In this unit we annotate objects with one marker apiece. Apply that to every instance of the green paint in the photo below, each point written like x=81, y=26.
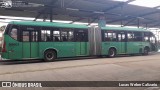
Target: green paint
x=26, y=49
x=13, y=48
x=65, y=49
x=34, y=49
x=49, y=24
x=81, y=49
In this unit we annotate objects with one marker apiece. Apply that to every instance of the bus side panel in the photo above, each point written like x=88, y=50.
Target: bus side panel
x=34, y=49
x=130, y=47
x=107, y=45
x=134, y=47
x=78, y=48
x=64, y=49
x=82, y=48
x=26, y=50
x=85, y=48
x=120, y=46
x=13, y=47
x=144, y=44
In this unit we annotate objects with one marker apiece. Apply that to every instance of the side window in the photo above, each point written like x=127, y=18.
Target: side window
x=56, y=35
x=146, y=36
x=64, y=36
x=29, y=33
x=71, y=36
x=25, y=36
x=34, y=36
x=33, y=31
x=67, y=35
x=130, y=36
x=110, y=36
x=46, y=34
x=121, y=35
x=13, y=32
x=137, y=36
x=152, y=38
x=81, y=35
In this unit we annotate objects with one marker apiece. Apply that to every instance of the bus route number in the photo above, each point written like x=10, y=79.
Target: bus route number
x=13, y=44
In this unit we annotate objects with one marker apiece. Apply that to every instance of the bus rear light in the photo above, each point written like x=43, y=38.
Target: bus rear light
x=4, y=47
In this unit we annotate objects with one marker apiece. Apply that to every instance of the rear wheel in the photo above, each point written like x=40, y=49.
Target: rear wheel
x=112, y=53
x=49, y=56
x=146, y=51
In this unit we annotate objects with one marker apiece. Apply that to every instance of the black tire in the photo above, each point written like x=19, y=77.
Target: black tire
x=146, y=51
x=112, y=53
x=49, y=56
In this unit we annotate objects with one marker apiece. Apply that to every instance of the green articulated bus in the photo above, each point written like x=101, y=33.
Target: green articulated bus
x=48, y=41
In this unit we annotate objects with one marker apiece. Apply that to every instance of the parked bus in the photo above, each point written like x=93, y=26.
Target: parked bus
x=48, y=41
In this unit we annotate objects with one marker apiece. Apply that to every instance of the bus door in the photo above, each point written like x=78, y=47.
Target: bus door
x=122, y=42
x=30, y=44
x=14, y=46
x=81, y=42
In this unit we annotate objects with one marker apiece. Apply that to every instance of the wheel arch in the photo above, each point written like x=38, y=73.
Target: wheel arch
x=112, y=47
x=54, y=49
x=147, y=47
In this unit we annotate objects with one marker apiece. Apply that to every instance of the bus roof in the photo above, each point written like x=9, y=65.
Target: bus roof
x=125, y=29
x=48, y=24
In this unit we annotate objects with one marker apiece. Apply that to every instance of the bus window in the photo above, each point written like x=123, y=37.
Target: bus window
x=34, y=36
x=56, y=35
x=67, y=35
x=110, y=36
x=25, y=36
x=130, y=36
x=45, y=35
x=137, y=36
x=64, y=36
x=70, y=36
x=146, y=36
x=121, y=35
x=152, y=38
x=81, y=35
x=13, y=32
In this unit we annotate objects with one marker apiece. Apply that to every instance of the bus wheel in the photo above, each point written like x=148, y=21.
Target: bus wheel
x=49, y=56
x=146, y=51
x=112, y=53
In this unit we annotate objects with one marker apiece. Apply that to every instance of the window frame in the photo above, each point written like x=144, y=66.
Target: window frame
x=9, y=29
x=120, y=32
x=140, y=37
x=86, y=35
x=45, y=29
x=67, y=30
x=107, y=32
x=132, y=39
x=24, y=28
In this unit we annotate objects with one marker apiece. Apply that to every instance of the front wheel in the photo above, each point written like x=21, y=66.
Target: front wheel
x=112, y=53
x=146, y=51
x=49, y=56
